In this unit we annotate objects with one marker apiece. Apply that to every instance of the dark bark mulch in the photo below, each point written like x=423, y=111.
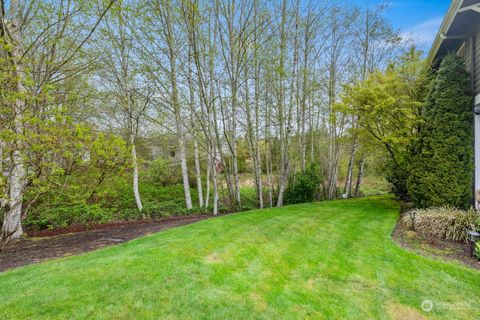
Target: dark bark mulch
x=78, y=239
x=431, y=247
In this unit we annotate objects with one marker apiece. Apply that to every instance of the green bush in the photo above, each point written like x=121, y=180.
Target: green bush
x=249, y=198
x=64, y=216
x=162, y=172
x=441, y=171
x=444, y=223
x=303, y=187
x=115, y=201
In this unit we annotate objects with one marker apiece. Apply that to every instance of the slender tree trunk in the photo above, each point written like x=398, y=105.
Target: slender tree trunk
x=211, y=134
x=136, y=192
x=238, y=199
x=361, y=166
x=198, y=172
x=207, y=188
x=268, y=155
x=183, y=162
x=252, y=141
x=215, y=183
x=212, y=107
x=281, y=112
x=238, y=202
x=196, y=157
x=305, y=93
x=347, y=190
x=227, y=168
x=313, y=129
x=176, y=107
x=258, y=159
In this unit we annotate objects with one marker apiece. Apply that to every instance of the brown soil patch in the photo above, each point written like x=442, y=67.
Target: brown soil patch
x=212, y=258
x=431, y=247
x=62, y=242
x=401, y=312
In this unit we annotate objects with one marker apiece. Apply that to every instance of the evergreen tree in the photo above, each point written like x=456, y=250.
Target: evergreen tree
x=442, y=168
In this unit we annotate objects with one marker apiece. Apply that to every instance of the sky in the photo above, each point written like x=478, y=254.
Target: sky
x=417, y=19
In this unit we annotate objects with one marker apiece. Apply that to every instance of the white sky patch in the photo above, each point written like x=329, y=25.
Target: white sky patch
x=423, y=34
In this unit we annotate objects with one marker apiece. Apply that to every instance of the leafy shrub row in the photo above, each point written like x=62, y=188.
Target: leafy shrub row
x=444, y=223
x=117, y=203
x=64, y=216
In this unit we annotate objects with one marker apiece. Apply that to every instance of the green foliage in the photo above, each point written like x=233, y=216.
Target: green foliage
x=444, y=223
x=70, y=162
x=303, y=187
x=441, y=169
x=249, y=198
x=64, y=216
x=114, y=201
x=163, y=172
x=387, y=106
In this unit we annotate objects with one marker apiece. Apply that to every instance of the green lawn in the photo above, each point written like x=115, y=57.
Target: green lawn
x=329, y=260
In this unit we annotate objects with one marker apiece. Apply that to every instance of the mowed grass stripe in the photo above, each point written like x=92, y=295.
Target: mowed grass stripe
x=328, y=260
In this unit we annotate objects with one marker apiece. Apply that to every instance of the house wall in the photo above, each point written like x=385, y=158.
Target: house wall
x=472, y=59
x=476, y=62
x=467, y=54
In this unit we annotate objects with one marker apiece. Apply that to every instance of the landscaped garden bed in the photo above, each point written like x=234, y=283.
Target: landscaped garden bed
x=431, y=246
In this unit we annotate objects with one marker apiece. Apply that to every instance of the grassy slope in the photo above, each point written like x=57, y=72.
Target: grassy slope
x=329, y=260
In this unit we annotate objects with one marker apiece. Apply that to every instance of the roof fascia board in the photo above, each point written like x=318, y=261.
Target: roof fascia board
x=444, y=27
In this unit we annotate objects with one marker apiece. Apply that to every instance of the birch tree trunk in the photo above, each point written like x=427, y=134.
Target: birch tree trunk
x=136, y=192
x=361, y=166
x=207, y=182
x=234, y=70
x=253, y=145
x=268, y=154
x=213, y=152
x=198, y=172
x=281, y=111
x=176, y=106
x=207, y=100
x=347, y=190
x=305, y=93
x=12, y=224
x=256, y=130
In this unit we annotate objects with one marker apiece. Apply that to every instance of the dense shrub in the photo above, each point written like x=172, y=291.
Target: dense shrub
x=163, y=172
x=116, y=202
x=444, y=222
x=303, y=187
x=64, y=216
x=441, y=171
x=397, y=175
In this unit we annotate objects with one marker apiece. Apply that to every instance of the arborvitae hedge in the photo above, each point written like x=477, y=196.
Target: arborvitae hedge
x=442, y=170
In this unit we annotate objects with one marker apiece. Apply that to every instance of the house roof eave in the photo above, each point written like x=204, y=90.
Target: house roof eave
x=444, y=27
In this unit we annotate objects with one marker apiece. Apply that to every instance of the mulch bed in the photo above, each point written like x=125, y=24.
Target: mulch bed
x=431, y=247
x=49, y=244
